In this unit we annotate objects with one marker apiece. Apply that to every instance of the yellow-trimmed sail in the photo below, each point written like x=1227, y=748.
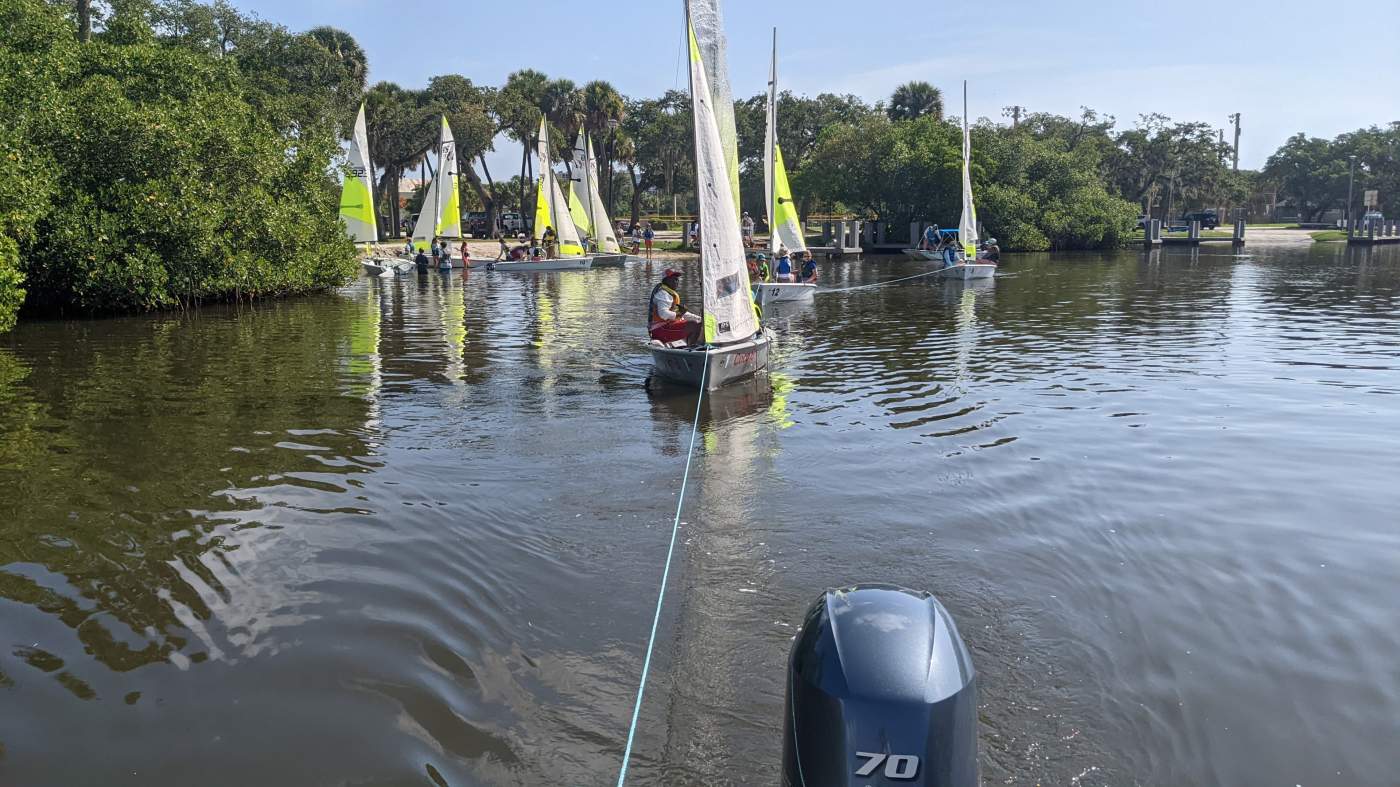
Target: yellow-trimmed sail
x=578, y=212
x=542, y=217
x=357, y=193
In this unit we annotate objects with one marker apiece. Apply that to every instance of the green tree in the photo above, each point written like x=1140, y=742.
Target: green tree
x=1311, y=173
x=154, y=177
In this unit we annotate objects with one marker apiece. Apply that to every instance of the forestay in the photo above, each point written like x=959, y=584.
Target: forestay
x=729, y=312
x=783, y=220
x=357, y=192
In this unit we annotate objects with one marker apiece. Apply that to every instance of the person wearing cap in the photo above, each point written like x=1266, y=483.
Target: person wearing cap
x=667, y=319
x=783, y=269
x=991, y=252
x=747, y=224
x=764, y=272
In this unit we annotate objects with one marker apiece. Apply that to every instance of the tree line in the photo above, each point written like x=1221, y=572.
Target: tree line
x=157, y=153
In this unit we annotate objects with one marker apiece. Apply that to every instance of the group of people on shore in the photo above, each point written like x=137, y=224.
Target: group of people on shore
x=441, y=255
x=641, y=233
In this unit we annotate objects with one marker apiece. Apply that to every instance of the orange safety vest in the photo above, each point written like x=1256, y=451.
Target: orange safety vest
x=653, y=318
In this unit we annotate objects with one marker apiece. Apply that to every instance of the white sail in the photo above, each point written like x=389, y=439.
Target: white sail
x=586, y=181
x=357, y=192
x=967, y=223
x=785, y=226
x=707, y=25
x=564, y=230
x=729, y=312
x=441, y=214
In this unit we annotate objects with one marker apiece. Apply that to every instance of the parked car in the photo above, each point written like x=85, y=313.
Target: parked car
x=1142, y=222
x=512, y=223
x=477, y=224
x=1373, y=215
x=1207, y=218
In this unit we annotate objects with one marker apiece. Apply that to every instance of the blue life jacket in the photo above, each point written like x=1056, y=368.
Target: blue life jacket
x=784, y=266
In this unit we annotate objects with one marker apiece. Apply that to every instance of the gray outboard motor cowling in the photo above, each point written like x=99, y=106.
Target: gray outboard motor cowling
x=881, y=692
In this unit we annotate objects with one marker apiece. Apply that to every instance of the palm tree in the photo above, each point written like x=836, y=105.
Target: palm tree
x=914, y=100
x=517, y=109
x=603, y=109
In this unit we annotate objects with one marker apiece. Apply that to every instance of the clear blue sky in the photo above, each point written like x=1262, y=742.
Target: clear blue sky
x=1286, y=66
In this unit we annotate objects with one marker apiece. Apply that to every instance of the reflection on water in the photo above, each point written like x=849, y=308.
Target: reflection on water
x=412, y=531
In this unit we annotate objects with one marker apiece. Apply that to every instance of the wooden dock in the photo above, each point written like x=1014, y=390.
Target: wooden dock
x=1372, y=233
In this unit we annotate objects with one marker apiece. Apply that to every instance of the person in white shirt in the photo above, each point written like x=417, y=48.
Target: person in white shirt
x=748, y=230
x=667, y=319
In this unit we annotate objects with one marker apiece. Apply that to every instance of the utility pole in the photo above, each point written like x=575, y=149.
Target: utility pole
x=1351, y=180
x=1235, y=118
x=1013, y=112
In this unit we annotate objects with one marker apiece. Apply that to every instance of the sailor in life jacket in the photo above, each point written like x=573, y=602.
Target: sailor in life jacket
x=667, y=319
x=783, y=270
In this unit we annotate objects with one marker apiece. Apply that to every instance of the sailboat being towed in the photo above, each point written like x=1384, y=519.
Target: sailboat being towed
x=965, y=264
x=734, y=346
x=783, y=221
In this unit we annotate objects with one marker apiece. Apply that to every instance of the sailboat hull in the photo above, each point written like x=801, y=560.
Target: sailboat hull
x=783, y=292
x=609, y=260
x=532, y=266
x=964, y=271
x=717, y=366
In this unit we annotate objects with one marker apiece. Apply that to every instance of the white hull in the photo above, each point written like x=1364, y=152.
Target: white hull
x=562, y=264
x=725, y=364
x=783, y=292
x=964, y=271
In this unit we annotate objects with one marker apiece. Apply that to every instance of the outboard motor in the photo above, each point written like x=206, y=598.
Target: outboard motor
x=881, y=691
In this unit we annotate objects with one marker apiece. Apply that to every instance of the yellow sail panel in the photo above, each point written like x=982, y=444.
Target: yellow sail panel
x=542, y=217
x=787, y=224
x=357, y=195
x=578, y=212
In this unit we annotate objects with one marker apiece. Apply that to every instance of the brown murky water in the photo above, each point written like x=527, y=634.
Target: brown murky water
x=412, y=532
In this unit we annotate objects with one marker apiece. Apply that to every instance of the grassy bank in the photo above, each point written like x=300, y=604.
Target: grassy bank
x=1328, y=236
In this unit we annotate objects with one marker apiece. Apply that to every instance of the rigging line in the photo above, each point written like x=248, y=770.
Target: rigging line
x=882, y=283
x=665, y=575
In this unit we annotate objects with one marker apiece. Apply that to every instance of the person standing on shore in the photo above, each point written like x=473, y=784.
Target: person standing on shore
x=635, y=234
x=747, y=224
x=649, y=236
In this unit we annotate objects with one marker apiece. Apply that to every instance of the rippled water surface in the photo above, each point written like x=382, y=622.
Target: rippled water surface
x=412, y=532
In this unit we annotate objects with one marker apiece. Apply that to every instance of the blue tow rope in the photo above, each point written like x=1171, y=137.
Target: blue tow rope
x=665, y=576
